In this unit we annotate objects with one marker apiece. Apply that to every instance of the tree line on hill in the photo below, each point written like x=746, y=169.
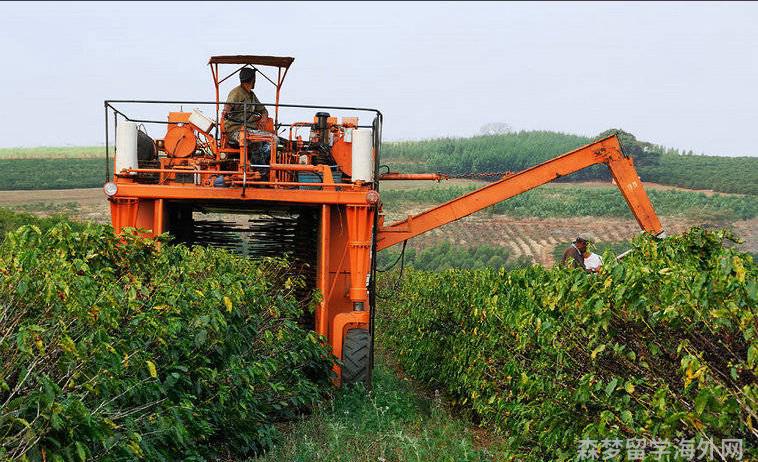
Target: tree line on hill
x=516, y=151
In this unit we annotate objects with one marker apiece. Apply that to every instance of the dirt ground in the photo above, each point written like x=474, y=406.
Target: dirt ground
x=532, y=237
x=81, y=204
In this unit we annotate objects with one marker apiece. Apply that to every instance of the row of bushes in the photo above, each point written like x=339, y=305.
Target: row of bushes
x=446, y=255
x=731, y=174
x=25, y=174
x=118, y=348
x=663, y=344
x=511, y=151
x=11, y=221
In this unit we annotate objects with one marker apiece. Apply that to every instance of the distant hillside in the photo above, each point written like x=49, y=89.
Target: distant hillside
x=71, y=167
x=519, y=150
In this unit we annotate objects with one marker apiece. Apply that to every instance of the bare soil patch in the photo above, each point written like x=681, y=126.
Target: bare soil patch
x=80, y=204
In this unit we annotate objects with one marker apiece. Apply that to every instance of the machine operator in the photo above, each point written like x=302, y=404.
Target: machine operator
x=235, y=113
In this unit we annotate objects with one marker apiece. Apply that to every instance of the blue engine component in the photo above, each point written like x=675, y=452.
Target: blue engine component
x=312, y=177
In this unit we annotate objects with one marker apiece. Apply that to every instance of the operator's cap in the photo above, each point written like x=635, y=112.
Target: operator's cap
x=247, y=74
x=582, y=238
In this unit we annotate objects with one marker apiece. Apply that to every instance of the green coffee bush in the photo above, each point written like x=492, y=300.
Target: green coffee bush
x=121, y=348
x=660, y=345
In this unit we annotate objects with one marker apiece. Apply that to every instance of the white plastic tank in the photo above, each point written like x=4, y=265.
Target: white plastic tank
x=363, y=155
x=199, y=120
x=126, y=145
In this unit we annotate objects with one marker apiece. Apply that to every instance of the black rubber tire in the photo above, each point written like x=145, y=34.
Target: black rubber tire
x=356, y=357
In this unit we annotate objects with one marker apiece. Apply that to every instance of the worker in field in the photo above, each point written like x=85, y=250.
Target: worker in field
x=592, y=261
x=574, y=256
x=234, y=115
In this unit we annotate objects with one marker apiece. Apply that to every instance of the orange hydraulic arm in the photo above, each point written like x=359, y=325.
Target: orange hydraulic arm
x=606, y=151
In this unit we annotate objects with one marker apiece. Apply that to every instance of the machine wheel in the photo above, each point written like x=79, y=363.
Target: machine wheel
x=356, y=357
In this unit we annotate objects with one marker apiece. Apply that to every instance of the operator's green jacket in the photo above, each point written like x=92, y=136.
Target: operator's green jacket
x=234, y=113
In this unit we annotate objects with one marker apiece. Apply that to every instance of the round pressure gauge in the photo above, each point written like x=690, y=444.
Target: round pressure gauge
x=110, y=189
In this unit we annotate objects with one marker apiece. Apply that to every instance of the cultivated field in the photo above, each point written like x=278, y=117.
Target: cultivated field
x=537, y=238
x=530, y=309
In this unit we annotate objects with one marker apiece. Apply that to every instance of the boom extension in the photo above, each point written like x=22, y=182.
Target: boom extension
x=607, y=151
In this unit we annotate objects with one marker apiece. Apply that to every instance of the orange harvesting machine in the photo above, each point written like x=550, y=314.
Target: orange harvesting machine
x=315, y=199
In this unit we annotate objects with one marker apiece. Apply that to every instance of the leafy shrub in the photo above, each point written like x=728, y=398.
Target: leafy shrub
x=446, y=255
x=11, y=221
x=660, y=345
x=120, y=348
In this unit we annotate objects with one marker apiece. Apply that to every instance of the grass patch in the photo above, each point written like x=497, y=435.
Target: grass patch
x=27, y=174
x=393, y=422
x=53, y=152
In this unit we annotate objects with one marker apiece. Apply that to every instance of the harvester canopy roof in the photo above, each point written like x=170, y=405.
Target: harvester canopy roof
x=276, y=61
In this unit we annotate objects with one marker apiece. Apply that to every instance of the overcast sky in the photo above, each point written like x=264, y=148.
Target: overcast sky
x=680, y=74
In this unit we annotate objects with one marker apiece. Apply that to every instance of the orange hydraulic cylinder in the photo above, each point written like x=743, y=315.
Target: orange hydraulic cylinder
x=323, y=281
x=360, y=221
x=158, y=217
